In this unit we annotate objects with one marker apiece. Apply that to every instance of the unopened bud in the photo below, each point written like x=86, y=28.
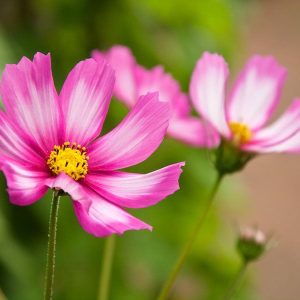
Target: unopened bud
x=251, y=243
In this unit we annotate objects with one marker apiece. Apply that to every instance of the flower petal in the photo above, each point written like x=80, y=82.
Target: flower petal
x=134, y=139
x=193, y=131
x=290, y=145
x=280, y=135
x=30, y=100
x=136, y=190
x=133, y=80
x=256, y=92
x=68, y=185
x=25, y=186
x=157, y=80
x=123, y=62
x=96, y=215
x=16, y=145
x=102, y=218
x=85, y=99
x=207, y=90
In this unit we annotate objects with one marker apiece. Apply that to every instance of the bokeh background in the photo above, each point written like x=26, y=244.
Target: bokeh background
x=173, y=33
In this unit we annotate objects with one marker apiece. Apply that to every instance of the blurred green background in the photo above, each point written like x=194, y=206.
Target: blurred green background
x=173, y=33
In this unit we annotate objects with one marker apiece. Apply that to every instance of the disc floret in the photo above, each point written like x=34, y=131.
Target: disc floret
x=241, y=133
x=70, y=158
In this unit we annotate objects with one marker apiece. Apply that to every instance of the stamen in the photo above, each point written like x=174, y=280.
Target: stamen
x=69, y=158
x=241, y=133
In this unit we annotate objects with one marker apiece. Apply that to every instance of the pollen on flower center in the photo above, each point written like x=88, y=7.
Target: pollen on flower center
x=70, y=159
x=240, y=132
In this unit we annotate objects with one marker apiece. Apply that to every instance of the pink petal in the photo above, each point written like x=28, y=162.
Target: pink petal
x=68, y=185
x=123, y=62
x=281, y=135
x=256, y=92
x=16, y=145
x=25, y=185
x=157, y=80
x=134, y=139
x=102, y=218
x=207, y=90
x=85, y=98
x=96, y=215
x=290, y=145
x=193, y=131
x=30, y=100
x=136, y=190
x=181, y=106
x=133, y=80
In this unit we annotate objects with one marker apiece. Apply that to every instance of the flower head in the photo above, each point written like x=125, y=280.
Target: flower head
x=51, y=141
x=241, y=117
x=133, y=80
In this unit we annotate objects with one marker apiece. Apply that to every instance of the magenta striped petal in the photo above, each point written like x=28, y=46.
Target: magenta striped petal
x=136, y=190
x=207, y=90
x=96, y=215
x=25, y=185
x=102, y=218
x=17, y=146
x=85, y=99
x=30, y=100
x=134, y=139
x=256, y=92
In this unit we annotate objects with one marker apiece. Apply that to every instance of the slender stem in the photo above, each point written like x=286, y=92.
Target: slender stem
x=2, y=296
x=187, y=247
x=236, y=282
x=108, y=255
x=50, y=267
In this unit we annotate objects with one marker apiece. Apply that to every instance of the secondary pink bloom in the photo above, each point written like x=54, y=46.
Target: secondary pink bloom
x=242, y=116
x=133, y=80
x=50, y=140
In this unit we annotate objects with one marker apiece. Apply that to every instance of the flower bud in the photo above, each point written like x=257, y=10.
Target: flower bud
x=251, y=243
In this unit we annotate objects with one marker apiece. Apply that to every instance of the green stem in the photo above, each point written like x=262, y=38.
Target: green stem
x=2, y=297
x=187, y=247
x=50, y=267
x=108, y=255
x=236, y=282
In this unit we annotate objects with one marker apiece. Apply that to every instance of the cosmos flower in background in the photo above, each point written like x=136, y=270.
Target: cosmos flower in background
x=50, y=141
x=133, y=80
x=242, y=116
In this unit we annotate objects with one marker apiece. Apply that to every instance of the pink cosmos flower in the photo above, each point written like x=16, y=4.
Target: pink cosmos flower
x=241, y=116
x=50, y=141
x=133, y=80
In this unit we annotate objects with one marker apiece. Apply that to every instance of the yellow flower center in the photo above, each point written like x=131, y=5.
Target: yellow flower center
x=70, y=159
x=241, y=133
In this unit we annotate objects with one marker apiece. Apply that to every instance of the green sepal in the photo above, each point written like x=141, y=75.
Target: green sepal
x=249, y=249
x=229, y=158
